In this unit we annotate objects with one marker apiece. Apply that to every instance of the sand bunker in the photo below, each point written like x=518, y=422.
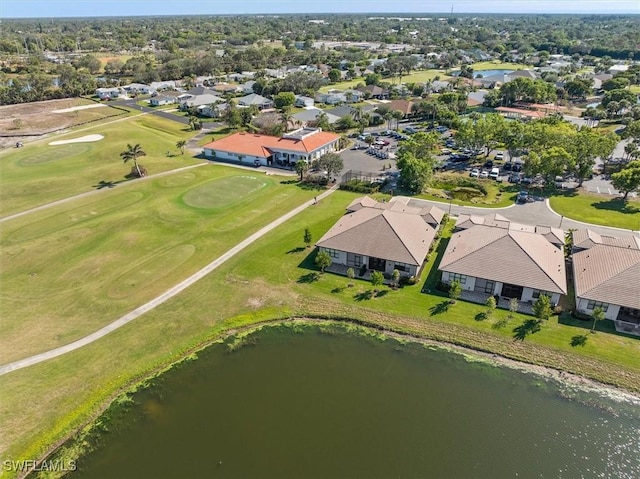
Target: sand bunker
x=76, y=108
x=82, y=139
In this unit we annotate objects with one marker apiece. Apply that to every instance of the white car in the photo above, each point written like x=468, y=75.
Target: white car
x=499, y=156
x=484, y=174
x=495, y=173
x=475, y=173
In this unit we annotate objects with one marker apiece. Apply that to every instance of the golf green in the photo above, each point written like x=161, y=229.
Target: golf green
x=224, y=191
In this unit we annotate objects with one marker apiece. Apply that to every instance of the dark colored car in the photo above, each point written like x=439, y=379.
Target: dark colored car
x=522, y=197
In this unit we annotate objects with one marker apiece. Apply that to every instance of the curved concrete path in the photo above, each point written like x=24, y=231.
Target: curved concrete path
x=93, y=192
x=170, y=293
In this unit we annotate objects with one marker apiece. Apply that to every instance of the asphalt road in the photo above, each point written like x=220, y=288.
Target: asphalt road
x=537, y=213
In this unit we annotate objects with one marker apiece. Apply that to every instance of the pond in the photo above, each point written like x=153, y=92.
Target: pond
x=326, y=403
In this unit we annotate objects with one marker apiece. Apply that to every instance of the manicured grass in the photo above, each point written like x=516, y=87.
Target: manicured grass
x=69, y=270
x=40, y=173
x=272, y=279
x=498, y=65
x=635, y=89
x=414, y=77
x=598, y=209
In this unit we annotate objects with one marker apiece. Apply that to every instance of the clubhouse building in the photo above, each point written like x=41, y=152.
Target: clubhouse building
x=306, y=144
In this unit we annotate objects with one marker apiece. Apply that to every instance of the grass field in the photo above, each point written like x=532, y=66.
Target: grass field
x=40, y=173
x=414, y=77
x=498, y=65
x=598, y=209
x=271, y=279
x=70, y=270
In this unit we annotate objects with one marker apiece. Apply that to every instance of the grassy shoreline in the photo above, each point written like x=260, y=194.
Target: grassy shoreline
x=68, y=448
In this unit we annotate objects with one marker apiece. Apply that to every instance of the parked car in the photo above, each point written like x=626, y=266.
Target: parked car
x=499, y=156
x=442, y=129
x=488, y=164
x=475, y=173
x=495, y=173
x=523, y=197
x=446, y=151
x=484, y=174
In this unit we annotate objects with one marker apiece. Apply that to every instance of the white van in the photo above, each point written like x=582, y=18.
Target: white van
x=495, y=172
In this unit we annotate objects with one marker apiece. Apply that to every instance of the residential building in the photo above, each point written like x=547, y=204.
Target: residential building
x=165, y=98
x=306, y=144
x=494, y=256
x=382, y=237
x=304, y=101
x=110, y=93
x=255, y=100
x=606, y=273
x=311, y=116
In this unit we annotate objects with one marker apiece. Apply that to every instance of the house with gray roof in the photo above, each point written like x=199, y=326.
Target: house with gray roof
x=255, y=100
x=384, y=237
x=311, y=116
x=606, y=273
x=494, y=256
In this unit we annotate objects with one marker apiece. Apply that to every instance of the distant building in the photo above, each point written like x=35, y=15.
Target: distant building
x=305, y=144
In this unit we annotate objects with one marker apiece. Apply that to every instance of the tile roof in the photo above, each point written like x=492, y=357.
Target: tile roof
x=506, y=255
x=431, y=214
x=610, y=274
x=390, y=235
x=263, y=145
x=553, y=235
x=586, y=238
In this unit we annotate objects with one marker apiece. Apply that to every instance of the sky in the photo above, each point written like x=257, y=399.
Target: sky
x=97, y=8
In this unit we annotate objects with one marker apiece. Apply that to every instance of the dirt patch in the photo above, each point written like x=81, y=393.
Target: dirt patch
x=24, y=122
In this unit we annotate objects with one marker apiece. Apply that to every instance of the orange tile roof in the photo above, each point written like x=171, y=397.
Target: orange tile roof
x=262, y=145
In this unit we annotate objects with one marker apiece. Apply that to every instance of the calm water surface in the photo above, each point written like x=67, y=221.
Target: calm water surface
x=339, y=405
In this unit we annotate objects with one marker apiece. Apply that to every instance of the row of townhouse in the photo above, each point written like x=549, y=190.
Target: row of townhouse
x=491, y=256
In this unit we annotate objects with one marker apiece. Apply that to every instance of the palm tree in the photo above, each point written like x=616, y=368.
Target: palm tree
x=132, y=153
x=301, y=168
x=181, y=144
x=397, y=115
x=285, y=117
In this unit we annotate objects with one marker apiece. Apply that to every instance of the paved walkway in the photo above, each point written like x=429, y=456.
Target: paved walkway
x=94, y=192
x=170, y=293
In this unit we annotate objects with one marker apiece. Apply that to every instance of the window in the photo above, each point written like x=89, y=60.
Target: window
x=597, y=304
x=536, y=294
x=461, y=278
x=401, y=267
x=354, y=260
x=484, y=286
x=333, y=253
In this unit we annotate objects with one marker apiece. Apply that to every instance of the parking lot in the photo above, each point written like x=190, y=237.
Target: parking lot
x=364, y=159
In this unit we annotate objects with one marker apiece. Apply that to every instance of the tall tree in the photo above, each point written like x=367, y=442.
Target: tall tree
x=627, y=179
x=132, y=153
x=301, y=168
x=181, y=144
x=332, y=163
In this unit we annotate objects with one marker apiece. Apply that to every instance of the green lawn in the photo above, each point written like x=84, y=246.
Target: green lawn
x=69, y=270
x=271, y=279
x=498, y=65
x=498, y=195
x=635, y=89
x=40, y=173
x=414, y=77
x=598, y=209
